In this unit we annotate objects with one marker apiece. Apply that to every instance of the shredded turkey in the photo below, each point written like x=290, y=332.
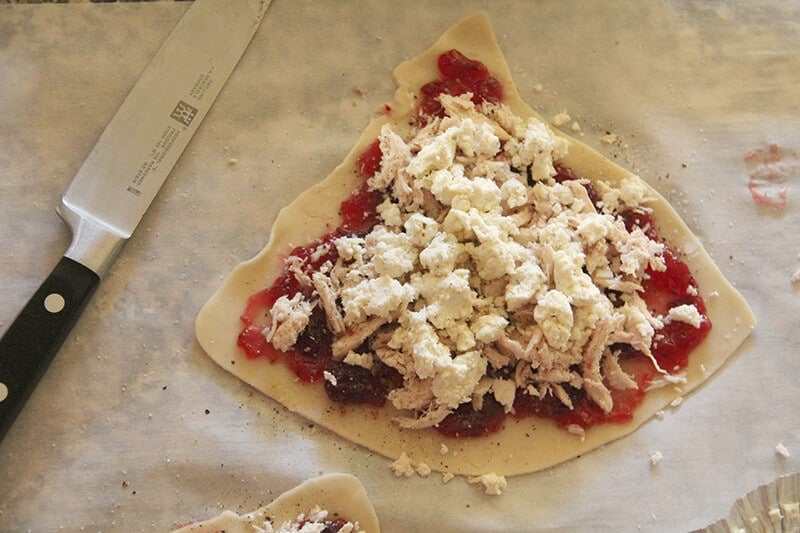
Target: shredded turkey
x=484, y=275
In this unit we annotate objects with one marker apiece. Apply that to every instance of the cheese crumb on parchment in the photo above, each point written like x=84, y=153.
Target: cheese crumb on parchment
x=485, y=275
x=609, y=138
x=423, y=470
x=561, y=119
x=655, y=457
x=402, y=467
x=493, y=484
x=781, y=450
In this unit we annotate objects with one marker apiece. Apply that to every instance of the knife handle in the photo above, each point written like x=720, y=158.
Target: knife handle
x=31, y=342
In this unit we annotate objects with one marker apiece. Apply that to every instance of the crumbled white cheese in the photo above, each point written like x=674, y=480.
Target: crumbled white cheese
x=514, y=192
x=421, y=229
x=561, y=119
x=493, y=484
x=655, y=457
x=686, y=313
x=504, y=391
x=389, y=213
x=454, y=383
x=350, y=248
x=289, y=318
x=594, y=227
x=791, y=510
x=480, y=260
x=448, y=298
x=319, y=252
x=440, y=254
x=525, y=284
x=393, y=253
x=330, y=378
x=488, y=328
x=609, y=138
x=536, y=149
x=423, y=470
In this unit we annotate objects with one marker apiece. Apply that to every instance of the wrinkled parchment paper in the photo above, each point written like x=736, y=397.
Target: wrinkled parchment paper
x=134, y=428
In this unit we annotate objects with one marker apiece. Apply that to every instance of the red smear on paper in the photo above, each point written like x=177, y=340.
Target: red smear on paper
x=771, y=168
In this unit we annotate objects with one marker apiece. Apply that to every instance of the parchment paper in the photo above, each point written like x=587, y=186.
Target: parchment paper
x=133, y=428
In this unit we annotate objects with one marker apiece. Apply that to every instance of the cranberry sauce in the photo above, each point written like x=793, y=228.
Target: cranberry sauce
x=458, y=75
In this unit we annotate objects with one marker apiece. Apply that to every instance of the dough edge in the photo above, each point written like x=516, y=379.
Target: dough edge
x=342, y=494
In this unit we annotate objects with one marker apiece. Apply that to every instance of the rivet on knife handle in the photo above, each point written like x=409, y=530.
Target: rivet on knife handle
x=35, y=336
x=112, y=190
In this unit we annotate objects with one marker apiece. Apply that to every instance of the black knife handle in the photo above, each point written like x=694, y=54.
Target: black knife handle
x=31, y=342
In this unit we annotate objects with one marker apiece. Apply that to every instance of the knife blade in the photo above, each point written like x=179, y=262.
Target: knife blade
x=119, y=179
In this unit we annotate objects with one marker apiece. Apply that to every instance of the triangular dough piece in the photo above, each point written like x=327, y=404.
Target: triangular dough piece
x=341, y=495
x=524, y=445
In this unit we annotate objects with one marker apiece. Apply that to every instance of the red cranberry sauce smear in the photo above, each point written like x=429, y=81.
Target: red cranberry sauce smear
x=311, y=355
x=673, y=344
x=359, y=212
x=458, y=75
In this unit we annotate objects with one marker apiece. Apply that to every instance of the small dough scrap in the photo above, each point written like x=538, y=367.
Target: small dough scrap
x=337, y=494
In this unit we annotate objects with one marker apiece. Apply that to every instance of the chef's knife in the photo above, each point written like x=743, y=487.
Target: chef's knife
x=123, y=173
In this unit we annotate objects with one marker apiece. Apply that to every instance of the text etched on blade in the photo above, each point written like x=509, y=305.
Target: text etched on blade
x=200, y=87
x=184, y=114
x=160, y=149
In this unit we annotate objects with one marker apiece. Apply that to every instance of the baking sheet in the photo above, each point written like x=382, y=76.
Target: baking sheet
x=134, y=428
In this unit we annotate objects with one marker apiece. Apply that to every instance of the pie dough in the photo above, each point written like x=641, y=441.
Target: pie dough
x=341, y=495
x=523, y=445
